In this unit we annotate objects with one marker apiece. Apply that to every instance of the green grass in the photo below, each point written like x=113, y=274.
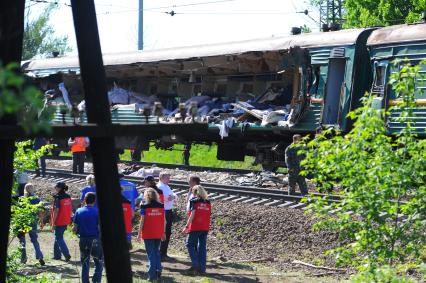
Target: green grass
x=201, y=155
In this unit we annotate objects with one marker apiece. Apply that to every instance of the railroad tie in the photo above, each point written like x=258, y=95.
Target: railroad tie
x=262, y=201
x=240, y=199
x=273, y=203
x=250, y=200
x=230, y=198
x=298, y=205
x=218, y=197
x=286, y=204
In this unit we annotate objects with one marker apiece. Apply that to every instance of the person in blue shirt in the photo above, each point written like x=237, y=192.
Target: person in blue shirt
x=29, y=194
x=129, y=191
x=90, y=188
x=86, y=225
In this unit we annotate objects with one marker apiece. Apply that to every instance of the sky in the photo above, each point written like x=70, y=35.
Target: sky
x=195, y=22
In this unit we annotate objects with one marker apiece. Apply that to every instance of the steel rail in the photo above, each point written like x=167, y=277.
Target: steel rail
x=276, y=196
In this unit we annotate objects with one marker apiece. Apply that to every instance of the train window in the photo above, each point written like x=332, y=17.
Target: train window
x=380, y=75
x=313, y=77
x=379, y=84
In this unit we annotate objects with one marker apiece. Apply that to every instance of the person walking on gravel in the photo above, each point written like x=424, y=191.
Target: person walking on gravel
x=151, y=231
x=78, y=148
x=197, y=227
x=29, y=195
x=60, y=219
x=169, y=198
x=292, y=160
x=86, y=225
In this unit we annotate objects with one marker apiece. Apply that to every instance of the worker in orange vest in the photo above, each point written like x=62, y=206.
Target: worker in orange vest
x=78, y=148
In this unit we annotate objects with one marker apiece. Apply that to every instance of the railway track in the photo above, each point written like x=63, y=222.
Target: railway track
x=252, y=195
x=171, y=166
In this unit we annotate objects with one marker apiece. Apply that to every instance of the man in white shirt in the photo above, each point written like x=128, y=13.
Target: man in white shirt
x=169, y=198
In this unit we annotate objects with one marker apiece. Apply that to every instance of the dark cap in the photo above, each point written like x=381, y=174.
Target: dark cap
x=149, y=178
x=61, y=185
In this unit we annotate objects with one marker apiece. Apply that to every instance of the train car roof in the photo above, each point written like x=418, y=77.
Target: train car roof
x=45, y=67
x=397, y=34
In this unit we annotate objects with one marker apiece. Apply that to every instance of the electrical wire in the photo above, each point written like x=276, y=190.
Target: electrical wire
x=172, y=13
x=189, y=4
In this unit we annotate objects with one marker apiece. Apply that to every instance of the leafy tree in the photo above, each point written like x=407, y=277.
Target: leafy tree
x=39, y=36
x=366, y=13
x=25, y=102
x=382, y=182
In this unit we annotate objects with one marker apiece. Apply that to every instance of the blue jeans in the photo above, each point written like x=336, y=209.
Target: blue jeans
x=197, y=249
x=152, y=248
x=33, y=237
x=59, y=246
x=91, y=246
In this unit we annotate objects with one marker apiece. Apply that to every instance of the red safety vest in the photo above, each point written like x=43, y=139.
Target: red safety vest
x=64, y=210
x=127, y=212
x=203, y=210
x=153, y=226
x=80, y=144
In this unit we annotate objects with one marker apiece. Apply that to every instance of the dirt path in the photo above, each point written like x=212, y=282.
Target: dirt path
x=173, y=271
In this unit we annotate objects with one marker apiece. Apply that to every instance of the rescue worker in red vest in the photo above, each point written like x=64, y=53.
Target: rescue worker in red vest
x=151, y=230
x=60, y=219
x=149, y=182
x=128, y=216
x=193, y=180
x=78, y=148
x=197, y=227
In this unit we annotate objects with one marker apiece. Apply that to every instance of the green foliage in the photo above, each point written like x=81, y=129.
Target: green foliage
x=25, y=101
x=39, y=36
x=381, y=178
x=381, y=275
x=367, y=13
x=370, y=13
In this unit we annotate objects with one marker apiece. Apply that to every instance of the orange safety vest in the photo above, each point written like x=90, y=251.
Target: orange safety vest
x=80, y=145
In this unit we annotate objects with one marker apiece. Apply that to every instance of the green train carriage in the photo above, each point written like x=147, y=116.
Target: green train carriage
x=405, y=43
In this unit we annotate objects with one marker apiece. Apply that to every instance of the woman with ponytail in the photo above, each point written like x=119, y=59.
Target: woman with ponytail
x=60, y=219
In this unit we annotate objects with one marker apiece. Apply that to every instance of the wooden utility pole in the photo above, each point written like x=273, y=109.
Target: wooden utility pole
x=114, y=243
x=11, y=36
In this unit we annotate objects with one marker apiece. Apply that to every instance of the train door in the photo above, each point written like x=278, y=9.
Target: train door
x=334, y=88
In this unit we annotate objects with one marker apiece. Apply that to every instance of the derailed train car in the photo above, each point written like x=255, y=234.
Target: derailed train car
x=404, y=43
x=253, y=94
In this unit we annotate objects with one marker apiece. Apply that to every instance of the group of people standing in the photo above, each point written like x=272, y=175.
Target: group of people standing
x=155, y=206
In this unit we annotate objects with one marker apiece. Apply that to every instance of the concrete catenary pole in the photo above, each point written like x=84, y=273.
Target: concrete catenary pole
x=140, y=26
